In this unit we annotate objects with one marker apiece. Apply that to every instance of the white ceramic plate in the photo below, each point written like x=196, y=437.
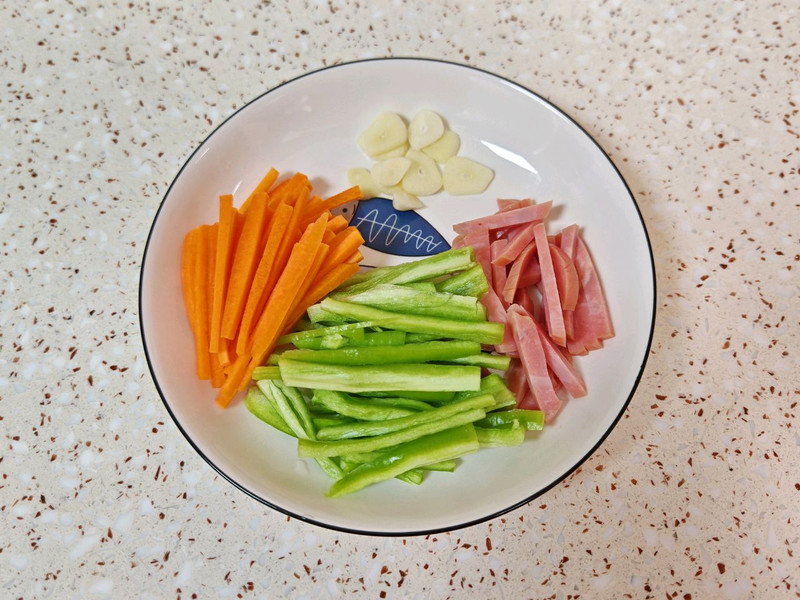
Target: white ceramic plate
x=310, y=124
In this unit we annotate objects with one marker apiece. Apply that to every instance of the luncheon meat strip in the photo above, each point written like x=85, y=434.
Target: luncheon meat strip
x=499, y=274
x=532, y=355
x=555, y=320
x=515, y=247
x=514, y=274
x=593, y=291
x=517, y=216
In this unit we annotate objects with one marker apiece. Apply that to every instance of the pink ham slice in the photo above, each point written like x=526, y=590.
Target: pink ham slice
x=590, y=282
x=515, y=247
x=500, y=220
x=592, y=321
x=479, y=240
x=514, y=274
x=569, y=325
x=506, y=204
x=534, y=361
x=515, y=379
x=495, y=310
x=532, y=274
x=566, y=277
x=562, y=366
x=568, y=236
x=524, y=299
x=567, y=243
x=555, y=318
x=528, y=401
x=499, y=274
x=557, y=385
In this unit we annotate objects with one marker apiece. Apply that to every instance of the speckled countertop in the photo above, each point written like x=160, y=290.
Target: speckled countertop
x=694, y=495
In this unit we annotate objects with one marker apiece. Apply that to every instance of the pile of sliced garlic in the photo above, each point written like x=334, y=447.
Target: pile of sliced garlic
x=415, y=160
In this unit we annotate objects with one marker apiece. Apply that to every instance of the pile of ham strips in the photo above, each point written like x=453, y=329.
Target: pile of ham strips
x=547, y=291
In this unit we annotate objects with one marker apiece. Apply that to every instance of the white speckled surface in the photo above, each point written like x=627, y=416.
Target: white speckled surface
x=695, y=493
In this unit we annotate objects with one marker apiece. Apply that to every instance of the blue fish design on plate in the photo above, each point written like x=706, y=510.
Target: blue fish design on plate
x=401, y=233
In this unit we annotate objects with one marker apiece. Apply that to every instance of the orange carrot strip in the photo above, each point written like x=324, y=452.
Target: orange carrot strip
x=322, y=287
x=245, y=261
x=313, y=208
x=348, y=195
x=227, y=353
x=337, y=224
x=345, y=243
x=291, y=189
x=262, y=187
x=328, y=236
x=290, y=235
x=259, y=292
x=238, y=372
x=283, y=295
x=188, y=256
x=194, y=268
x=217, y=376
x=308, y=281
x=355, y=257
x=227, y=217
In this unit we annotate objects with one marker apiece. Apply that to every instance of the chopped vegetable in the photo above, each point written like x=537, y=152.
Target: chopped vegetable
x=391, y=377
x=441, y=446
x=462, y=176
x=382, y=355
x=234, y=272
x=415, y=160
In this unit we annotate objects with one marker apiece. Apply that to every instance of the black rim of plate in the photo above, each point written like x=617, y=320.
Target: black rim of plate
x=473, y=522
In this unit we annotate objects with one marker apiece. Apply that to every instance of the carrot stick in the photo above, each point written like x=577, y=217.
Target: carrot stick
x=337, y=224
x=217, y=376
x=238, y=372
x=188, y=259
x=289, y=190
x=313, y=208
x=290, y=235
x=322, y=287
x=283, y=295
x=343, y=246
x=259, y=292
x=194, y=285
x=348, y=195
x=227, y=216
x=308, y=281
x=355, y=257
x=262, y=187
x=248, y=250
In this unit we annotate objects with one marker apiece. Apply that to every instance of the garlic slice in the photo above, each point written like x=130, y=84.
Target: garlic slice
x=386, y=132
x=462, y=176
x=363, y=179
x=445, y=147
x=389, y=172
x=423, y=177
x=402, y=200
x=425, y=128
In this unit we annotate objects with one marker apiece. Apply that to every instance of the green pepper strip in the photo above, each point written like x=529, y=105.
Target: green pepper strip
x=500, y=437
x=314, y=448
x=380, y=428
x=531, y=420
x=259, y=405
x=383, y=355
x=482, y=332
x=346, y=405
x=444, y=445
